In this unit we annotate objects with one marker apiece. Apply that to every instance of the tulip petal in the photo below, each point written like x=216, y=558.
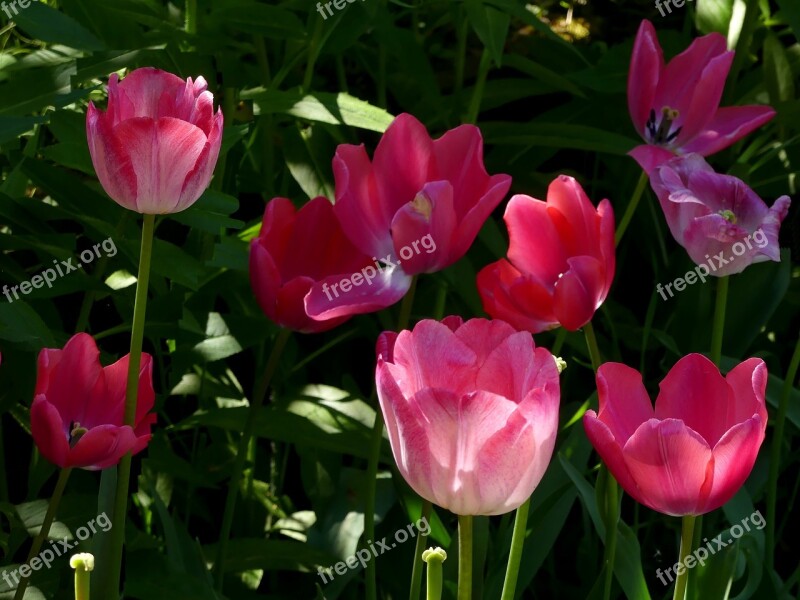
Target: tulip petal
x=484, y=337
x=728, y=125
x=650, y=157
x=624, y=403
x=673, y=466
x=102, y=447
x=578, y=292
x=734, y=457
x=49, y=431
x=459, y=160
x=152, y=92
x=705, y=98
x=198, y=178
x=647, y=63
x=535, y=245
x=574, y=217
x=748, y=382
x=476, y=216
x=110, y=158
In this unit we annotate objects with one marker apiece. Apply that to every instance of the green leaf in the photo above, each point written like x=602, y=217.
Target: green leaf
x=491, y=25
x=777, y=70
x=50, y=25
x=260, y=19
x=557, y=135
x=790, y=11
x=13, y=127
x=713, y=15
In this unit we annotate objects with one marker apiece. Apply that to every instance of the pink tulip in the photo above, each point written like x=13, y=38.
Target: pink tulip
x=78, y=406
x=560, y=261
x=155, y=148
x=416, y=207
x=717, y=218
x=692, y=453
x=295, y=250
x=471, y=410
x=675, y=107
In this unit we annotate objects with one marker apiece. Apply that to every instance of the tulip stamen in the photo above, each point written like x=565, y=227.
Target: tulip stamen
x=422, y=205
x=76, y=432
x=662, y=133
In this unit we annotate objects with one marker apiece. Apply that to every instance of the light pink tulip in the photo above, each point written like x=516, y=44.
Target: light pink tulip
x=675, y=106
x=155, y=148
x=718, y=219
x=471, y=410
x=692, y=453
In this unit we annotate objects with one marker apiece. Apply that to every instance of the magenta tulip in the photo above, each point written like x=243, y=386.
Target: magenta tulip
x=155, y=148
x=471, y=410
x=560, y=261
x=717, y=218
x=415, y=208
x=78, y=406
x=693, y=452
x=295, y=250
x=675, y=106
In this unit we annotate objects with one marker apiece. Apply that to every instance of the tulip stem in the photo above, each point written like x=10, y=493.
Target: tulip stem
x=687, y=533
x=719, y=320
x=611, y=515
x=777, y=442
x=370, y=494
x=591, y=343
x=55, y=499
x=241, y=452
x=191, y=17
x=416, y=569
x=465, y=557
x=515, y=554
x=626, y=218
x=114, y=562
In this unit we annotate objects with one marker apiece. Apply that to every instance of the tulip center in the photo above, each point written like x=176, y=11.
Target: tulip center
x=661, y=132
x=76, y=432
x=728, y=216
x=422, y=205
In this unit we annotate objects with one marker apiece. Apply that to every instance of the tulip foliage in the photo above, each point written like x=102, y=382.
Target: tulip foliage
x=445, y=300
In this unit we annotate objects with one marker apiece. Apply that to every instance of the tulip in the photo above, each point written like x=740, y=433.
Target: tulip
x=692, y=453
x=717, y=218
x=471, y=410
x=155, y=148
x=560, y=261
x=78, y=406
x=296, y=249
x=675, y=107
x=416, y=208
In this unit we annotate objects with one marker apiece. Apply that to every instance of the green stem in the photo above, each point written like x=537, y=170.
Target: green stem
x=83, y=565
x=313, y=53
x=719, y=320
x=465, y=557
x=375, y=453
x=777, y=443
x=515, y=554
x=631, y=209
x=687, y=532
x=591, y=343
x=480, y=84
x=416, y=570
x=191, y=17
x=114, y=561
x=434, y=557
x=612, y=518
x=55, y=499
x=241, y=453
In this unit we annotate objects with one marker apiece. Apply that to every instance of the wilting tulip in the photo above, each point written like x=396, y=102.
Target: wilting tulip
x=297, y=249
x=693, y=452
x=155, y=148
x=471, y=410
x=675, y=107
x=416, y=208
x=78, y=406
x=560, y=261
x=717, y=218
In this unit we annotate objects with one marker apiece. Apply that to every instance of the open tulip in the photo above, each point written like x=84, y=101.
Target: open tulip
x=471, y=410
x=560, y=260
x=693, y=452
x=675, y=106
x=416, y=208
x=717, y=218
x=155, y=148
x=78, y=406
x=296, y=249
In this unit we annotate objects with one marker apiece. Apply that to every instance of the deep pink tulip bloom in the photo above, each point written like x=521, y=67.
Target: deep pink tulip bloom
x=155, y=148
x=718, y=219
x=294, y=250
x=471, y=410
x=675, y=106
x=560, y=260
x=692, y=453
x=79, y=406
x=416, y=207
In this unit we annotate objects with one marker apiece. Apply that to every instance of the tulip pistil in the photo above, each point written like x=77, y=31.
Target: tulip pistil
x=662, y=133
x=728, y=215
x=422, y=205
x=76, y=432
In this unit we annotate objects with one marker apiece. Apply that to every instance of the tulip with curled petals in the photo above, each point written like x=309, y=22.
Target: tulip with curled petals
x=691, y=453
x=155, y=147
x=560, y=262
x=78, y=406
x=472, y=412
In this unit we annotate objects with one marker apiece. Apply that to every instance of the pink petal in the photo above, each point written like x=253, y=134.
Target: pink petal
x=649, y=157
x=536, y=247
x=458, y=158
x=101, y=447
x=152, y=92
x=728, y=125
x=574, y=216
x=476, y=216
x=624, y=403
x=705, y=98
x=110, y=158
x=647, y=63
x=484, y=336
x=748, y=382
x=198, y=179
x=578, y=293
x=49, y=431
